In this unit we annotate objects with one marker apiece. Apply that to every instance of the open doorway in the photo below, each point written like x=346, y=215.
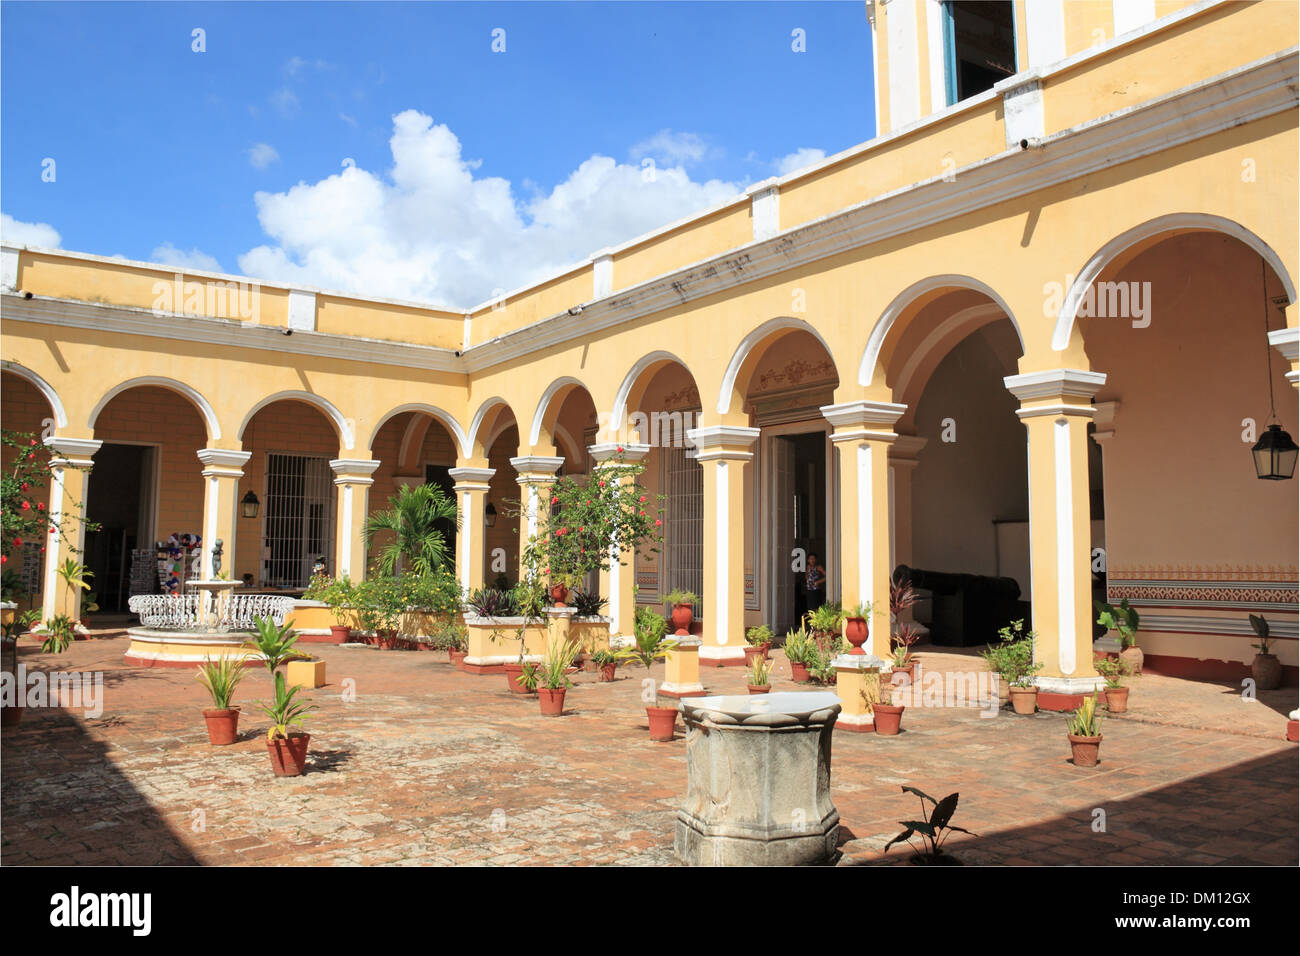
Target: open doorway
x=120, y=500
x=797, y=478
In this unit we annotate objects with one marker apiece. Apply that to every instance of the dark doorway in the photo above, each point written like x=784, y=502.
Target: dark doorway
x=440, y=475
x=798, y=478
x=119, y=500
x=981, y=46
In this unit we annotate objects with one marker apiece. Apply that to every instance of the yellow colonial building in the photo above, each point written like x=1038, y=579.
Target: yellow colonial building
x=1026, y=333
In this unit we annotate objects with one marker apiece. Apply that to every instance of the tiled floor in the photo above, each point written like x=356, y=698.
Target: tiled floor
x=430, y=765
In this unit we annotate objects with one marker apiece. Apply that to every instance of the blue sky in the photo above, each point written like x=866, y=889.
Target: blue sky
x=474, y=170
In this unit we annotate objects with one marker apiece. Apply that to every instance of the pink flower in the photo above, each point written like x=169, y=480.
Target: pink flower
x=658, y=522
x=642, y=498
x=620, y=449
x=27, y=506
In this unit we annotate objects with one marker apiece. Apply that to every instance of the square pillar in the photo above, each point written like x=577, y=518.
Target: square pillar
x=619, y=582
x=69, y=481
x=862, y=435
x=724, y=451
x=471, y=498
x=352, y=477
x=856, y=675
x=222, y=470
x=1055, y=408
x=682, y=670
x=535, y=475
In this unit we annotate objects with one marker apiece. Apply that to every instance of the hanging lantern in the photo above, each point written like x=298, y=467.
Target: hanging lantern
x=1275, y=454
x=248, y=505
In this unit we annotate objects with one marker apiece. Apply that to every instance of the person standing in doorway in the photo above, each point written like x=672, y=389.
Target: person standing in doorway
x=814, y=584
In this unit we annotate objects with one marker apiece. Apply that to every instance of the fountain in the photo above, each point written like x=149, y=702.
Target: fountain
x=211, y=621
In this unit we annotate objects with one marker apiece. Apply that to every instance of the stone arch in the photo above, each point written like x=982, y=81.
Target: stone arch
x=201, y=404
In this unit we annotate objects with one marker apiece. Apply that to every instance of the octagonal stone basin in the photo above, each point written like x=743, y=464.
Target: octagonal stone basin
x=758, y=780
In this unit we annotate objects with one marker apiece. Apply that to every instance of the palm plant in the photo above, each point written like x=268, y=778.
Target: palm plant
x=416, y=517
x=275, y=642
x=650, y=643
x=286, y=710
x=59, y=634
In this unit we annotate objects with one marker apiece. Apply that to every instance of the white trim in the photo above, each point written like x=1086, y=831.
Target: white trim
x=1286, y=341
x=765, y=209
x=331, y=412
x=1069, y=382
x=862, y=413
x=42, y=386
x=711, y=442
x=302, y=311
x=602, y=452
x=750, y=342
x=471, y=437
x=619, y=412
x=355, y=471
x=440, y=415
x=188, y=391
x=880, y=331
x=904, y=66
x=1130, y=15
x=1180, y=222
x=1045, y=24
x=935, y=54
x=217, y=459
x=9, y=256
x=544, y=403
x=602, y=276
x=866, y=562
x=721, y=542
x=1065, y=649
x=1022, y=113
x=345, y=533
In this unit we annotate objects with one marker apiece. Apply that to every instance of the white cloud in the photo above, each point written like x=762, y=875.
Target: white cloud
x=285, y=101
x=667, y=146
x=262, y=155
x=169, y=255
x=431, y=230
x=350, y=120
x=28, y=233
x=799, y=159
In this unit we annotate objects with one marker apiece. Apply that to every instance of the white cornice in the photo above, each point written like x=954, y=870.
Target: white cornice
x=72, y=313
x=611, y=450
x=223, y=457
x=863, y=413
x=354, y=466
x=1286, y=341
x=1070, y=382
x=1240, y=96
x=76, y=450
x=537, y=465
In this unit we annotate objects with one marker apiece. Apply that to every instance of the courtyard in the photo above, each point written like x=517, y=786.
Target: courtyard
x=431, y=765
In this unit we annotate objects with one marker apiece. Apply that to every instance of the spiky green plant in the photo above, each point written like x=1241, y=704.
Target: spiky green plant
x=275, y=642
x=221, y=677
x=760, y=671
x=286, y=710
x=416, y=517
x=1086, y=722
x=553, y=671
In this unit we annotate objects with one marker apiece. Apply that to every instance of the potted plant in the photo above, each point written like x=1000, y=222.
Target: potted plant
x=1114, y=669
x=60, y=632
x=683, y=614
x=606, y=664
x=878, y=695
x=798, y=647
x=934, y=828
x=902, y=663
x=1013, y=658
x=586, y=605
x=274, y=641
x=902, y=597
x=759, y=641
x=855, y=626
x=1124, y=621
x=759, y=676
x=651, y=644
x=824, y=622
x=1266, y=669
x=1085, y=733
x=528, y=602
x=287, y=749
x=221, y=677
x=553, y=677
x=338, y=594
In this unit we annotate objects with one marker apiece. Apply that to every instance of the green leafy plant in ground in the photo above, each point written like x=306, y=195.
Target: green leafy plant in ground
x=934, y=827
x=649, y=642
x=415, y=519
x=221, y=677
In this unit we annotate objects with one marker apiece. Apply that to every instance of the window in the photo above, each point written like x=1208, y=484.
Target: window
x=299, y=518
x=683, y=550
x=979, y=40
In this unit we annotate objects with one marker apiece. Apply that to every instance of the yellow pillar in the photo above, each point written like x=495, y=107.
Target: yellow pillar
x=69, y=480
x=471, y=496
x=862, y=435
x=352, y=476
x=1055, y=407
x=222, y=469
x=724, y=451
x=535, y=475
x=682, y=670
x=903, y=458
x=856, y=675
x=619, y=582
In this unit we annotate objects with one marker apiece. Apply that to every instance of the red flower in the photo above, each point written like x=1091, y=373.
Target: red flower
x=31, y=454
x=4, y=559
x=555, y=501
x=658, y=522
x=26, y=486
x=642, y=513
x=18, y=542
x=40, y=506
x=32, y=442
x=620, y=449
x=643, y=498
x=602, y=484
x=27, y=506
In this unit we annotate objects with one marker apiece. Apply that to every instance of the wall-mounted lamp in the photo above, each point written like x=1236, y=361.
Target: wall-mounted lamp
x=490, y=514
x=248, y=505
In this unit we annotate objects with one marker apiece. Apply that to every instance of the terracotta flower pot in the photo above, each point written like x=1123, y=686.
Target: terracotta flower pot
x=340, y=633
x=662, y=721
x=1134, y=657
x=888, y=718
x=223, y=725
x=1004, y=689
x=288, y=757
x=756, y=689
x=753, y=652
x=1024, y=700
x=1116, y=699
x=513, y=673
x=458, y=657
x=552, y=700
x=559, y=594
x=682, y=616
x=855, y=632
x=607, y=672
x=798, y=672
x=1266, y=669
x=1084, y=750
